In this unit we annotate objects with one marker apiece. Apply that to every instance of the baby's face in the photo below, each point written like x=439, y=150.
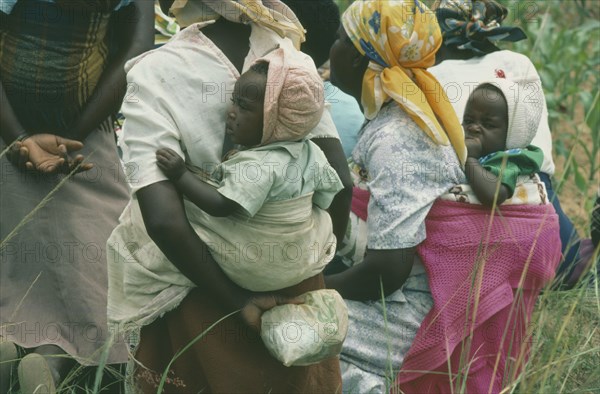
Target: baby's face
x=486, y=120
x=244, y=122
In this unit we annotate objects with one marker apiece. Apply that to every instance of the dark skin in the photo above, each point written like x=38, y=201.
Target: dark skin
x=167, y=224
x=232, y=39
x=244, y=125
x=203, y=195
x=49, y=153
x=486, y=124
x=381, y=270
x=166, y=221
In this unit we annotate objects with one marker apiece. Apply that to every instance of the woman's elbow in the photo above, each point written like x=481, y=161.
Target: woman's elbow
x=396, y=269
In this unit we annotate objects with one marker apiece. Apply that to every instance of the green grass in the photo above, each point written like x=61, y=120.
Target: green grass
x=564, y=44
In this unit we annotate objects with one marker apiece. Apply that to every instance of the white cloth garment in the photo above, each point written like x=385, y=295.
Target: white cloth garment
x=178, y=98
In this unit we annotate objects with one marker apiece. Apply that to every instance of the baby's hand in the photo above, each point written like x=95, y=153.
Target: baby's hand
x=474, y=147
x=170, y=163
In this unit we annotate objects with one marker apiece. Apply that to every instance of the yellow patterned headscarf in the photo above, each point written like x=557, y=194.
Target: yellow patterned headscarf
x=401, y=37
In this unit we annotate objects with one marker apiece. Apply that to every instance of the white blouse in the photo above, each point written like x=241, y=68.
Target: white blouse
x=177, y=98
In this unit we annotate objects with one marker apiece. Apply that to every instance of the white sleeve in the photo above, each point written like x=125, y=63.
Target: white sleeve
x=148, y=127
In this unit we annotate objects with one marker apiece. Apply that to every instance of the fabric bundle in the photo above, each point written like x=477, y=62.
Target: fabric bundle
x=306, y=333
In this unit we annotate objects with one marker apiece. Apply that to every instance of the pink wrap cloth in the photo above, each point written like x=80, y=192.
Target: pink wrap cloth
x=483, y=338
x=294, y=98
x=360, y=202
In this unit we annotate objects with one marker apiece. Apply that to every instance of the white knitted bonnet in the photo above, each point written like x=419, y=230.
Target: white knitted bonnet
x=525, y=103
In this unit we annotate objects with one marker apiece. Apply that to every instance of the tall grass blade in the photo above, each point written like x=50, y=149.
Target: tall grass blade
x=163, y=378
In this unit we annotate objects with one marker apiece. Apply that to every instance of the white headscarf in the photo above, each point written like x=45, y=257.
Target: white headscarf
x=272, y=14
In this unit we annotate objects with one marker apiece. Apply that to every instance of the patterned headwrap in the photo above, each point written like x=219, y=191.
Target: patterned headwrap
x=401, y=38
x=276, y=16
x=475, y=25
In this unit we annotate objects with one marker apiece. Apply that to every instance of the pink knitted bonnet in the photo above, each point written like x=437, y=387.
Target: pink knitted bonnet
x=293, y=97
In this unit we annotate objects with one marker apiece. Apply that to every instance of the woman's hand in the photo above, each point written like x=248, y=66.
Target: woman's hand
x=252, y=312
x=48, y=153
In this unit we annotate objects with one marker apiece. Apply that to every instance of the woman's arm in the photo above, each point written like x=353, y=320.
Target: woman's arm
x=43, y=152
x=167, y=225
x=485, y=183
x=364, y=281
x=340, y=206
x=47, y=152
x=10, y=127
x=136, y=35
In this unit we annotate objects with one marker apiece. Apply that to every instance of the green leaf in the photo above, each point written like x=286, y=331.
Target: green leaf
x=592, y=118
x=561, y=149
x=580, y=181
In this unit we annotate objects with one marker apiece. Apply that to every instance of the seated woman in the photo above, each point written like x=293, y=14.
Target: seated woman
x=405, y=158
x=184, y=88
x=486, y=271
x=468, y=57
x=404, y=162
x=485, y=286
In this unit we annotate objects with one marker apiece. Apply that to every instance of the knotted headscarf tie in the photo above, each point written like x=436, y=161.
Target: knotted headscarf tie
x=475, y=25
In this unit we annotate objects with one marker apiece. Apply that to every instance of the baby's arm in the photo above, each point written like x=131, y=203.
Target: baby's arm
x=203, y=195
x=485, y=183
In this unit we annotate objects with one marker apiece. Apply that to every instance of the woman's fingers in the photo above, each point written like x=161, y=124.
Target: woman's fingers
x=51, y=166
x=80, y=165
x=289, y=300
x=69, y=145
x=23, y=159
x=253, y=310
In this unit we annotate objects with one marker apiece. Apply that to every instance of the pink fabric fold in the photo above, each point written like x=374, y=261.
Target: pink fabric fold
x=360, y=202
x=476, y=329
